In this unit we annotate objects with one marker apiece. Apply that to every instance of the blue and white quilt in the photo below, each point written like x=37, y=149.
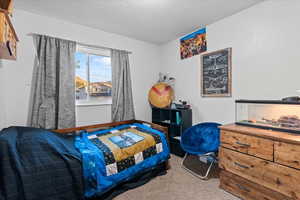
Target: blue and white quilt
x=118, y=154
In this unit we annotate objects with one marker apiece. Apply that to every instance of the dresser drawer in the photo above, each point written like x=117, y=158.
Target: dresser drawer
x=255, y=146
x=271, y=175
x=247, y=190
x=287, y=154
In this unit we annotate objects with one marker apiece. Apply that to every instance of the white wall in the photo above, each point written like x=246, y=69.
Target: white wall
x=16, y=75
x=2, y=102
x=266, y=59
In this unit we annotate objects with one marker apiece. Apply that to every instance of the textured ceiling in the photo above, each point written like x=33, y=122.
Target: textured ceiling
x=155, y=21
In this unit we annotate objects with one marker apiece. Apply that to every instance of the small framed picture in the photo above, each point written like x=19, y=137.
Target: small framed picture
x=216, y=73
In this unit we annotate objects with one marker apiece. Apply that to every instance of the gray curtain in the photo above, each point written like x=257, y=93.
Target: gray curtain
x=122, y=102
x=52, y=103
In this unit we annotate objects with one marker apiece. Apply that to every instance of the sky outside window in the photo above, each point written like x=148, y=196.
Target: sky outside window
x=93, y=71
x=100, y=67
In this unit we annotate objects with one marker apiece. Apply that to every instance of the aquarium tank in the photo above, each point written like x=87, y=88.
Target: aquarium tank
x=270, y=114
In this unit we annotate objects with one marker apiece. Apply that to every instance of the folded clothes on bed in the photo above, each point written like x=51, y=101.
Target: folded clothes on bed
x=114, y=155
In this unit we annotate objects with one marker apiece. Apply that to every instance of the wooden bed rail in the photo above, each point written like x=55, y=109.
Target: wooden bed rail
x=111, y=125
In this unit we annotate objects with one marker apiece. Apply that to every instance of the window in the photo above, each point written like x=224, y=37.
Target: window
x=93, y=77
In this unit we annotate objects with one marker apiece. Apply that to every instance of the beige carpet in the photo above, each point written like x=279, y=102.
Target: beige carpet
x=178, y=184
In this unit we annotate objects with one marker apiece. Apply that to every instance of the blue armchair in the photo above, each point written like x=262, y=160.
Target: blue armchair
x=201, y=140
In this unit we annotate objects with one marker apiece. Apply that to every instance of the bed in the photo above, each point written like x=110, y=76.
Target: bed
x=106, y=160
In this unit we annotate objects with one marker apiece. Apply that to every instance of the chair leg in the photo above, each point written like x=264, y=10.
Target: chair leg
x=205, y=176
x=185, y=156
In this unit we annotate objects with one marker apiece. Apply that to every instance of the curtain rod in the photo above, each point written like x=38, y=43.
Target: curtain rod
x=83, y=44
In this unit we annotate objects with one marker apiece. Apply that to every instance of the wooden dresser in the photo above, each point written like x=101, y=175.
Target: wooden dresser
x=259, y=164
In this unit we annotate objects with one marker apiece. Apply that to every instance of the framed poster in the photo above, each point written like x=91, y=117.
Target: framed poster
x=216, y=73
x=193, y=44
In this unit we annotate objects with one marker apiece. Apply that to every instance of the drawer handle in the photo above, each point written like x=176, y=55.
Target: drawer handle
x=243, y=144
x=241, y=166
x=243, y=188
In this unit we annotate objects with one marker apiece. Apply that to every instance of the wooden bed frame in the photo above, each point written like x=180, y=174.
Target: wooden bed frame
x=114, y=124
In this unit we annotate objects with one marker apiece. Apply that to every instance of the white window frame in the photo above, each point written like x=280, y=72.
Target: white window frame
x=97, y=52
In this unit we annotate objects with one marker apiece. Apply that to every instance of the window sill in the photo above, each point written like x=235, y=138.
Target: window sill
x=92, y=104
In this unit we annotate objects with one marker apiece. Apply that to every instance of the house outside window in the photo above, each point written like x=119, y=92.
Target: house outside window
x=93, y=77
